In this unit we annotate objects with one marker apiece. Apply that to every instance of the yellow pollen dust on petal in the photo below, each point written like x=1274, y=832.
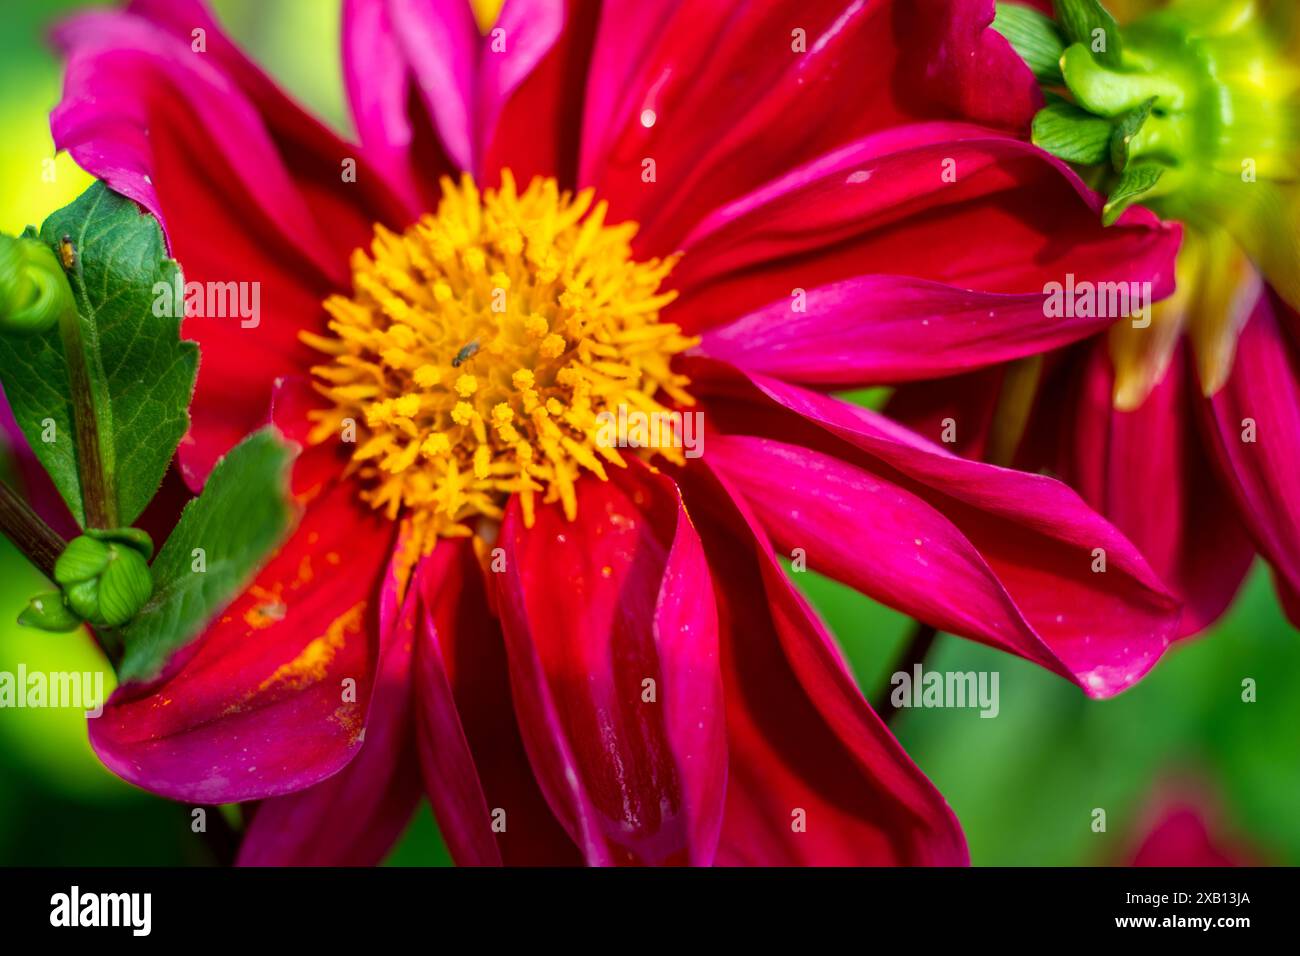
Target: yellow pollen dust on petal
x=480, y=347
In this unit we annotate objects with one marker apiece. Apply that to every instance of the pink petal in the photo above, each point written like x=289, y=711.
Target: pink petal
x=1036, y=536
x=1186, y=825
x=885, y=206
x=255, y=707
x=126, y=81
x=538, y=129
x=34, y=481
x=440, y=43
x=874, y=534
x=612, y=639
x=1148, y=472
x=464, y=78
x=315, y=151
x=876, y=329
x=815, y=777
x=1263, y=394
x=393, y=129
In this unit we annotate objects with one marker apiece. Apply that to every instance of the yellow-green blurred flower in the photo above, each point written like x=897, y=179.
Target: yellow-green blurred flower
x=1204, y=99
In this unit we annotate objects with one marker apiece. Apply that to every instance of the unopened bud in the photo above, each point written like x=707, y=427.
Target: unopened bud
x=34, y=290
x=105, y=576
x=47, y=612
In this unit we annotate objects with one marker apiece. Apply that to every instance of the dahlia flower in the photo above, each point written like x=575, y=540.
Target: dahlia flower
x=1183, y=430
x=583, y=652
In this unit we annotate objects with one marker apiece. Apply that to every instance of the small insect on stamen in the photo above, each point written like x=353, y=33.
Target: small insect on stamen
x=465, y=354
x=67, y=253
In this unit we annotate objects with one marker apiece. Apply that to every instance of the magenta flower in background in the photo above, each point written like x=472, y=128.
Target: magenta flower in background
x=577, y=657
x=1185, y=825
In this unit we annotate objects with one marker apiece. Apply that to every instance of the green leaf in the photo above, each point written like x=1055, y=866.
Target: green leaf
x=1034, y=37
x=1138, y=180
x=1113, y=93
x=1080, y=21
x=1073, y=134
x=1128, y=126
x=243, y=513
x=139, y=373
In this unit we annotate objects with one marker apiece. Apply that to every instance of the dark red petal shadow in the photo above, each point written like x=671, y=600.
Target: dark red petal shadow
x=475, y=769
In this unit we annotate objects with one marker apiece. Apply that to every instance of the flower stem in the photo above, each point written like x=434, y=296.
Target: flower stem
x=915, y=651
x=98, y=494
x=33, y=537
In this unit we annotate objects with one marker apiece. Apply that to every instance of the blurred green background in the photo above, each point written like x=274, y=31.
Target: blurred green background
x=1024, y=785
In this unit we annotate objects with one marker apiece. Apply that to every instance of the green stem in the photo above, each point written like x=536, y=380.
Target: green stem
x=98, y=495
x=38, y=542
x=42, y=545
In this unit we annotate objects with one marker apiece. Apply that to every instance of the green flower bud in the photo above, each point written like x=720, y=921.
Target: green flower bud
x=83, y=598
x=123, y=588
x=47, y=612
x=34, y=290
x=83, y=559
x=133, y=537
x=105, y=575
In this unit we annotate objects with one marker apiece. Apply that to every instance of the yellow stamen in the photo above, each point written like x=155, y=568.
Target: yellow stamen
x=549, y=322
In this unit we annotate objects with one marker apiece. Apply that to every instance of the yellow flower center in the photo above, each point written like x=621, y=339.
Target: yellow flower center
x=480, y=348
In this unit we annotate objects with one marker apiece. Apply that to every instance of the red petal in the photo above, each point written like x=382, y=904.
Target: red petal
x=539, y=128
x=1148, y=471
x=770, y=105
x=969, y=400
x=1014, y=219
x=1034, y=534
x=1262, y=397
x=354, y=817
x=612, y=640
x=805, y=747
x=475, y=769
x=255, y=707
